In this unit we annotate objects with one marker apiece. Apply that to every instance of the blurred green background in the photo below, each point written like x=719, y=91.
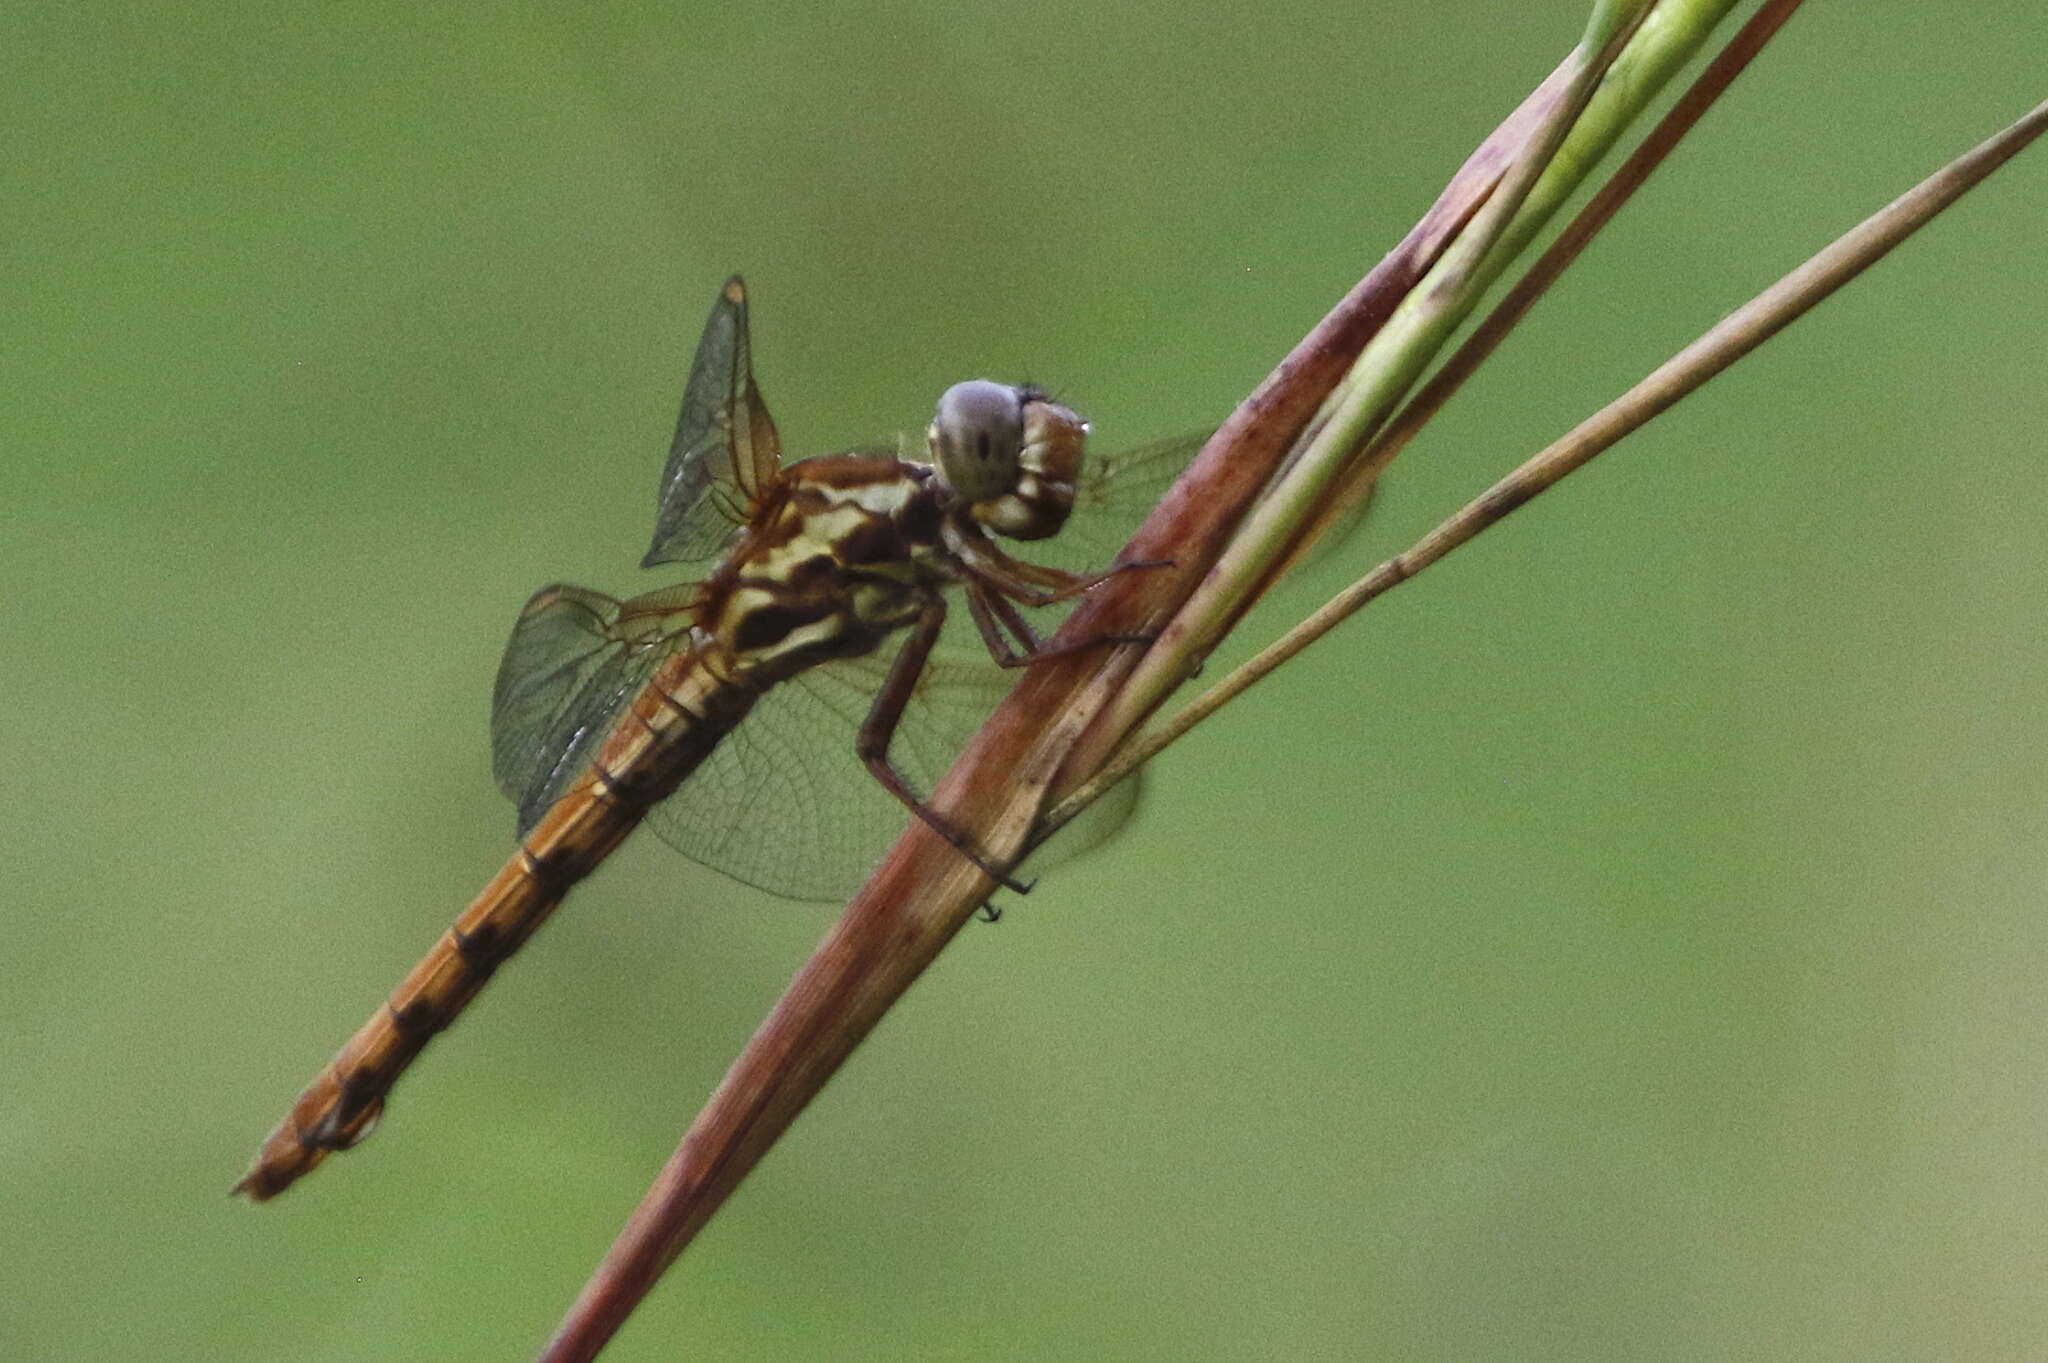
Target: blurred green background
x=1623, y=943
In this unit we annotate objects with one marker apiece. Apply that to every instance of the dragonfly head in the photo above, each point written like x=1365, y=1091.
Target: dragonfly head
x=1011, y=454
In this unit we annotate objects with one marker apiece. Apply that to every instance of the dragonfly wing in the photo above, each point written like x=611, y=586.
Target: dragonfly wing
x=784, y=804
x=575, y=660
x=1114, y=495
x=1118, y=491
x=725, y=451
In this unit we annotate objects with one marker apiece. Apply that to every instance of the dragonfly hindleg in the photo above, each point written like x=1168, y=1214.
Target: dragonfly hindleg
x=879, y=727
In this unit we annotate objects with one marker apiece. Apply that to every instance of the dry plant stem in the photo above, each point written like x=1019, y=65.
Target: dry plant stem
x=1741, y=332
x=923, y=892
x=799, y=1046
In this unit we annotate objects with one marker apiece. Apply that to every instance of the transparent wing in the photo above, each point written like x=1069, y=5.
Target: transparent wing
x=1115, y=494
x=575, y=660
x=1117, y=491
x=725, y=451
x=784, y=804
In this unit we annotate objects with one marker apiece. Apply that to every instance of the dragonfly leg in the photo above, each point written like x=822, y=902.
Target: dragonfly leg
x=1000, y=622
x=1033, y=584
x=994, y=613
x=880, y=726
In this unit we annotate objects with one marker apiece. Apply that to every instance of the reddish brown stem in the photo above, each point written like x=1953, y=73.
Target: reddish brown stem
x=923, y=893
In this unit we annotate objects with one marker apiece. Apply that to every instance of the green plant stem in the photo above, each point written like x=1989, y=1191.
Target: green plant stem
x=1735, y=336
x=1626, y=55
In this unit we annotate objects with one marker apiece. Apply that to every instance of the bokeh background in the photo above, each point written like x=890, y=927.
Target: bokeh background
x=1625, y=942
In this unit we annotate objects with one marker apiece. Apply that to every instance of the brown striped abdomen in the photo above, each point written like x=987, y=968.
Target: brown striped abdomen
x=656, y=746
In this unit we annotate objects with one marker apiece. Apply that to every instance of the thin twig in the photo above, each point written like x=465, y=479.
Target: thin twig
x=1382, y=373
x=1515, y=305
x=1735, y=336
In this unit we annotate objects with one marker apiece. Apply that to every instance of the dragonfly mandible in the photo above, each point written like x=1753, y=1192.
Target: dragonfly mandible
x=607, y=713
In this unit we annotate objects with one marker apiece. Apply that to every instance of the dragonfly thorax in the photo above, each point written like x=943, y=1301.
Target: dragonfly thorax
x=1011, y=455
x=843, y=551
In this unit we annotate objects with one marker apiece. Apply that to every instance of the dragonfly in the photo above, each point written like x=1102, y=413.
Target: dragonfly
x=711, y=709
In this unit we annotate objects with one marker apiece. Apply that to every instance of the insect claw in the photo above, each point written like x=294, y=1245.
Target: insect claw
x=988, y=912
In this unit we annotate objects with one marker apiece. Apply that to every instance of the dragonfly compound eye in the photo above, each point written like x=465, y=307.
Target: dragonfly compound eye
x=976, y=437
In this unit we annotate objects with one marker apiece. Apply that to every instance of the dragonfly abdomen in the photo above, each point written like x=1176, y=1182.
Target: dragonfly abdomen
x=668, y=732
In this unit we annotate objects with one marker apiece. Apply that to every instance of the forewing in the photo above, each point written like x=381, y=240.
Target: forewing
x=575, y=660
x=1118, y=491
x=725, y=451
x=1115, y=494
x=784, y=803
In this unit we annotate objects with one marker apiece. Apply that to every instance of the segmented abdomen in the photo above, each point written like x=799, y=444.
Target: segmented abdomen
x=675, y=722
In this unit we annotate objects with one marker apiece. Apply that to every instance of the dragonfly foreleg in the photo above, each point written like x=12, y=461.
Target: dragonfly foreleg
x=879, y=728
x=1029, y=583
x=999, y=623
x=1034, y=584
x=994, y=614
